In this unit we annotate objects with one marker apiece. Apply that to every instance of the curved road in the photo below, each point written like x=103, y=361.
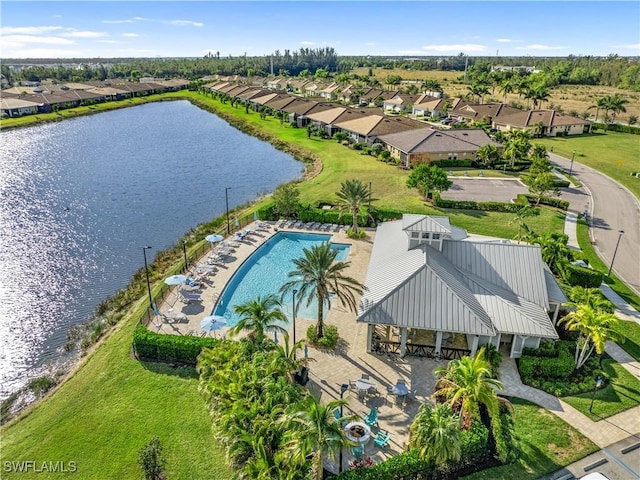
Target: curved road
x=613, y=208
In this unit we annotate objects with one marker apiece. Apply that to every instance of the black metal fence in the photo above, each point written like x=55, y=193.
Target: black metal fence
x=385, y=347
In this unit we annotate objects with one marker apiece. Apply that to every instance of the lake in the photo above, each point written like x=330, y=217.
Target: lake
x=79, y=199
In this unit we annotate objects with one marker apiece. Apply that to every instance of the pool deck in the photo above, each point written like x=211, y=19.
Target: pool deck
x=330, y=369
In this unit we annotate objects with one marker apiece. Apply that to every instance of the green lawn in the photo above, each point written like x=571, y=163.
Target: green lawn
x=612, y=153
x=109, y=410
x=631, y=332
x=622, y=393
x=546, y=443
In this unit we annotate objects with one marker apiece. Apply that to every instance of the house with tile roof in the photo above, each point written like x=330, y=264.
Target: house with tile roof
x=367, y=129
x=432, y=290
x=548, y=123
x=424, y=145
x=399, y=103
x=435, y=107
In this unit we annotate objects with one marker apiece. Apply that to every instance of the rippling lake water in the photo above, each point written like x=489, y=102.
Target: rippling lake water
x=79, y=199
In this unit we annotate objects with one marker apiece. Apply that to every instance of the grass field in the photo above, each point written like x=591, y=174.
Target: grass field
x=614, y=154
x=546, y=444
x=622, y=393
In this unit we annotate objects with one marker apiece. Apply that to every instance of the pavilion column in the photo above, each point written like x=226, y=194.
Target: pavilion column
x=474, y=345
x=555, y=313
x=438, y=342
x=370, y=329
x=497, y=345
x=403, y=341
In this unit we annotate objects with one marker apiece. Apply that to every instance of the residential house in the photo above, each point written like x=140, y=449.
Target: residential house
x=329, y=92
x=547, y=123
x=400, y=103
x=432, y=290
x=481, y=112
x=11, y=106
x=435, y=107
x=367, y=129
x=425, y=145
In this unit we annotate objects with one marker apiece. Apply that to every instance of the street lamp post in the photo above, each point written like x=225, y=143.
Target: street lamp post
x=599, y=382
x=620, y=233
x=226, y=201
x=343, y=388
x=573, y=155
x=184, y=251
x=294, y=322
x=369, y=196
x=146, y=271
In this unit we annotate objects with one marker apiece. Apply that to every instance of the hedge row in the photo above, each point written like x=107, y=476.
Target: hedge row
x=157, y=347
x=470, y=205
x=550, y=201
x=584, y=277
x=615, y=127
x=446, y=163
x=535, y=366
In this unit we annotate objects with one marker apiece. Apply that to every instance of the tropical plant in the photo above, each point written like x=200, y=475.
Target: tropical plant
x=538, y=94
x=542, y=185
x=517, y=146
x=592, y=297
x=352, y=195
x=521, y=213
x=284, y=358
x=435, y=433
x=427, y=179
x=258, y=316
x=507, y=86
x=595, y=327
x=600, y=104
x=315, y=431
x=488, y=155
x=615, y=104
x=554, y=250
x=478, y=90
x=317, y=275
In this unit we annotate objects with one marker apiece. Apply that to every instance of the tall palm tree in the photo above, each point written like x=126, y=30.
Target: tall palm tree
x=435, y=433
x=352, y=195
x=507, y=86
x=315, y=431
x=615, y=104
x=554, y=249
x=259, y=316
x=521, y=213
x=592, y=297
x=538, y=94
x=478, y=90
x=466, y=385
x=488, y=155
x=595, y=327
x=283, y=358
x=601, y=103
x=317, y=275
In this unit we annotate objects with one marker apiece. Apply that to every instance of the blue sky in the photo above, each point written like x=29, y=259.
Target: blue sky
x=54, y=29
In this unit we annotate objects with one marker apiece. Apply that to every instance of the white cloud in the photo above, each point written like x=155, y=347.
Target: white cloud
x=85, y=34
x=186, y=23
x=504, y=40
x=28, y=30
x=111, y=42
x=26, y=39
x=457, y=48
x=305, y=42
x=130, y=35
x=631, y=46
x=537, y=46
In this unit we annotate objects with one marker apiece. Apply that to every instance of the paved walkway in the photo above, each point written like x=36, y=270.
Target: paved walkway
x=571, y=229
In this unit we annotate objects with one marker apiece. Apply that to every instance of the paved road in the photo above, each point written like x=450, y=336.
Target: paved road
x=614, y=208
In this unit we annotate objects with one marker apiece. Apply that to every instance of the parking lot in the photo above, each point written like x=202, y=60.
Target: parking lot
x=484, y=189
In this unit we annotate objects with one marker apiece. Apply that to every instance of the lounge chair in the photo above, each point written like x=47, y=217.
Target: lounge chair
x=189, y=297
x=191, y=288
x=371, y=418
x=172, y=317
x=382, y=439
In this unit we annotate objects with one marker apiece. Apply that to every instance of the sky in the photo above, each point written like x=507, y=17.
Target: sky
x=90, y=29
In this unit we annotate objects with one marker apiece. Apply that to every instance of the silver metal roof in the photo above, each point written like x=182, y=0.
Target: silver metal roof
x=422, y=223
x=553, y=289
x=498, y=289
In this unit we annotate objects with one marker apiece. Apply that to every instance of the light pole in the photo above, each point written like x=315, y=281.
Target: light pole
x=226, y=201
x=184, y=251
x=620, y=233
x=343, y=388
x=369, y=196
x=599, y=382
x=573, y=155
x=294, y=322
x=146, y=271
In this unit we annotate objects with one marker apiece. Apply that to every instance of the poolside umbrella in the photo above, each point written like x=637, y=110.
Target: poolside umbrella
x=213, y=323
x=213, y=238
x=175, y=279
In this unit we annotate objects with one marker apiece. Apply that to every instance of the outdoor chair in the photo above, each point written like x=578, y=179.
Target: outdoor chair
x=371, y=418
x=382, y=439
x=173, y=317
x=336, y=414
x=190, y=297
x=191, y=288
x=373, y=390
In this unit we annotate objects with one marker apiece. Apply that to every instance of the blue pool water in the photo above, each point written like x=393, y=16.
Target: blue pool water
x=267, y=269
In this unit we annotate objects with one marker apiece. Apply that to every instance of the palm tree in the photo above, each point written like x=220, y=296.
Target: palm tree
x=539, y=94
x=592, y=297
x=478, y=90
x=488, y=155
x=521, y=213
x=435, y=433
x=352, y=195
x=616, y=104
x=596, y=328
x=466, y=385
x=554, y=249
x=258, y=316
x=600, y=104
x=506, y=87
x=318, y=275
x=315, y=431
x=284, y=358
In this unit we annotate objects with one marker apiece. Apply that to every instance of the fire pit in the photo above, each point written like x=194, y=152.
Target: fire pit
x=358, y=432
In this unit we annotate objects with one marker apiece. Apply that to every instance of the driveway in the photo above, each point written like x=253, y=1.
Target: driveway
x=613, y=208
x=484, y=189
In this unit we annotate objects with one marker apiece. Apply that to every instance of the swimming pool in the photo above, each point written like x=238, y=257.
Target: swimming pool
x=267, y=269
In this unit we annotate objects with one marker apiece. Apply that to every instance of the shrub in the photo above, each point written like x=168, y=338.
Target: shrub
x=385, y=155
x=551, y=201
x=617, y=128
x=329, y=340
x=359, y=235
x=445, y=163
x=359, y=145
x=41, y=385
x=151, y=460
x=376, y=149
x=584, y=277
x=169, y=348
x=494, y=357
x=471, y=205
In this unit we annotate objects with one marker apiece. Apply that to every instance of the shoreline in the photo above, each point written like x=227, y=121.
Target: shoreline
x=60, y=374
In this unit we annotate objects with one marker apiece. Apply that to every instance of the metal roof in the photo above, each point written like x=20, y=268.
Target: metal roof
x=471, y=287
x=422, y=223
x=553, y=289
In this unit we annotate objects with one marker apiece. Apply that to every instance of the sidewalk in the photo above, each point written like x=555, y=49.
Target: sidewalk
x=602, y=433
x=624, y=311
x=571, y=229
